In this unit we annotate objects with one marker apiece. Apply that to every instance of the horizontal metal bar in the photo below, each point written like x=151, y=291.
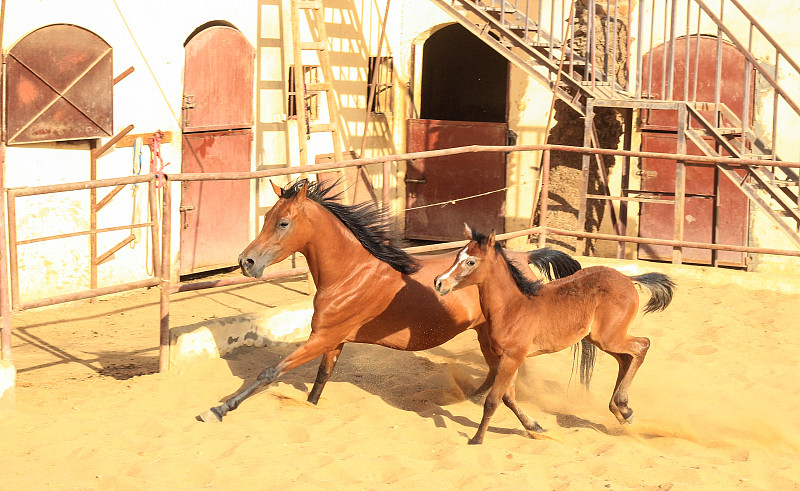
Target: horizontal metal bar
x=631, y=198
x=97, y=292
x=315, y=168
x=84, y=232
x=673, y=243
x=79, y=186
x=461, y=243
x=202, y=285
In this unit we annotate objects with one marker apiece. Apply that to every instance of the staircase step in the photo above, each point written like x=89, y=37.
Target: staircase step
x=500, y=10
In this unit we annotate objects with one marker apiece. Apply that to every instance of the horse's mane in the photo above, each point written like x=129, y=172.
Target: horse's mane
x=528, y=287
x=371, y=226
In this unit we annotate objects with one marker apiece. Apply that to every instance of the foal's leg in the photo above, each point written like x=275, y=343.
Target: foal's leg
x=324, y=373
x=491, y=360
x=630, y=357
x=510, y=399
x=312, y=348
x=505, y=371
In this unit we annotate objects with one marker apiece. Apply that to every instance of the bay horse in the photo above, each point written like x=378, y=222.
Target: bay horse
x=368, y=289
x=526, y=318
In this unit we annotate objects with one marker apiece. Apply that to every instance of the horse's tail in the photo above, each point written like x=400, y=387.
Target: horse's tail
x=584, y=359
x=661, y=289
x=545, y=259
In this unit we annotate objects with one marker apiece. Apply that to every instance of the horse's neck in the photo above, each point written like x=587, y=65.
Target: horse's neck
x=498, y=291
x=332, y=252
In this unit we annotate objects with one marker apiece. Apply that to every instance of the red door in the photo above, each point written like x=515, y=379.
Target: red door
x=448, y=179
x=217, y=137
x=715, y=210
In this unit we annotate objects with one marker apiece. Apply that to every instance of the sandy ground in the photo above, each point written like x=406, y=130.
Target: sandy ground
x=717, y=406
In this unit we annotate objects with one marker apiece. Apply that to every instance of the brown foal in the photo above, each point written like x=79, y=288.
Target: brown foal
x=368, y=290
x=526, y=318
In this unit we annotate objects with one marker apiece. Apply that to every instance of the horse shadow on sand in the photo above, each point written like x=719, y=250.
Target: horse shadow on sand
x=410, y=381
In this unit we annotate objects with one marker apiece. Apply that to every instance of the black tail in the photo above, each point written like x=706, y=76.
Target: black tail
x=562, y=264
x=661, y=289
x=584, y=360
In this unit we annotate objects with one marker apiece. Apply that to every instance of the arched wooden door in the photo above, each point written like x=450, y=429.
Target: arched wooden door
x=716, y=211
x=464, y=91
x=217, y=117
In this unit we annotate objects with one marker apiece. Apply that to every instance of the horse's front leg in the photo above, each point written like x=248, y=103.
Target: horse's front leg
x=492, y=361
x=312, y=348
x=326, y=367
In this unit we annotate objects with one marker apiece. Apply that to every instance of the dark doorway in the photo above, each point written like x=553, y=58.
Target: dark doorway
x=463, y=79
x=464, y=91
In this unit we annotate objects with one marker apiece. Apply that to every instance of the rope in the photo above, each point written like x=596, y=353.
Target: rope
x=454, y=201
x=156, y=160
x=149, y=68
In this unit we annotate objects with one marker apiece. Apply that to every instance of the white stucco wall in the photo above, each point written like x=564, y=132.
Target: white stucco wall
x=148, y=100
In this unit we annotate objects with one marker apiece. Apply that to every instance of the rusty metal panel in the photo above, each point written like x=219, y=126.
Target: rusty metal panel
x=59, y=86
x=214, y=214
x=450, y=178
x=732, y=92
x=715, y=212
x=218, y=81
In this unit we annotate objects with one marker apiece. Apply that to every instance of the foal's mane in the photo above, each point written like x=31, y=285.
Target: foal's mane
x=371, y=226
x=528, y=287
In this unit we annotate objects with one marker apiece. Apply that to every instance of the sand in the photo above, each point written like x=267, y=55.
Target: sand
x=717, y=406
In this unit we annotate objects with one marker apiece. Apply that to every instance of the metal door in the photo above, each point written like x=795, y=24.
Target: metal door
x=450, y=178
x=716, y=211
x=59, y=86
x=217, y=137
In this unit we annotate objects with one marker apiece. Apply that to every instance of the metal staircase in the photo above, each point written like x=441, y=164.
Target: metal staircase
x=585, y=71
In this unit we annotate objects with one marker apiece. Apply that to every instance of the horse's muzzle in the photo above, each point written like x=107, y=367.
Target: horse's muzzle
x=440, y=287
x=249, y=267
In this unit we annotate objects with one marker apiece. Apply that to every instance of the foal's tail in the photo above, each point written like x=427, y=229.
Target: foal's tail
x=583, y=358
x=562, y=264
x=661, y=289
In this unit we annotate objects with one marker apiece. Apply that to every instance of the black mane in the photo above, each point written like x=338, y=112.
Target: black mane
x=528, y=287
x=370, y=225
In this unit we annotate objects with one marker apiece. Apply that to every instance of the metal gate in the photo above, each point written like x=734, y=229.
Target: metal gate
x=448, y=179
x=217, y=114
x=716, y=211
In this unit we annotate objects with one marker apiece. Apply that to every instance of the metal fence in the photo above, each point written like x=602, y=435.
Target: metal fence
x=10, y=300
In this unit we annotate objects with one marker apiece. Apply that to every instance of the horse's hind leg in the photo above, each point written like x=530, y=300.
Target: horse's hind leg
x=510, y=399
x=326, y=366
x=630, y=357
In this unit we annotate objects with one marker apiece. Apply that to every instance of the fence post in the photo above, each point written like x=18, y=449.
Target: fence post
x=545, y=195
x=166, y=271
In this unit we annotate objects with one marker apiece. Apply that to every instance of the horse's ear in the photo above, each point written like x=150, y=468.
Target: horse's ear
x=302, y=193
x=467, y=231
x=490, y=240
x=278, y=190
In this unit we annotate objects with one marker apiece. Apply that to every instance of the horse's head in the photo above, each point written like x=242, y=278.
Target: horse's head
x=284, y=232
x=466, y=270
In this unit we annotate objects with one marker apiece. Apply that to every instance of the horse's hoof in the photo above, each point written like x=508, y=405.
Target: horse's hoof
x=628, y=420
x=209, y=416
x=474, y=441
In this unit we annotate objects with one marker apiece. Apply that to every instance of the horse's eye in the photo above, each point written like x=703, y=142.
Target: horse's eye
x=470, y=262
x=283, y=224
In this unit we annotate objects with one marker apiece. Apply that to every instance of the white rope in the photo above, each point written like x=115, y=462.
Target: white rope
x=453, y=201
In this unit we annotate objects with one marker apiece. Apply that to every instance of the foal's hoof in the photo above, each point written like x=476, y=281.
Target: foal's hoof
x=536, y=428
x=209, y=416
x=628, y=420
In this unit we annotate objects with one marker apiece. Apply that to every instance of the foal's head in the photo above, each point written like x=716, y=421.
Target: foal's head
x=467, y=269
x=476, y=261
x=283, y=233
